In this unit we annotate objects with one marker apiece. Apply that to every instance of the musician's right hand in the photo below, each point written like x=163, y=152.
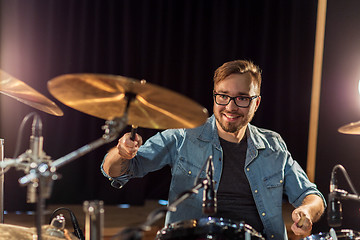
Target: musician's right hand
x=128, y=148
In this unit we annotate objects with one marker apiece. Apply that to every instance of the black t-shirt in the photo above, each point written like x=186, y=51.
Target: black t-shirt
x=234, y=198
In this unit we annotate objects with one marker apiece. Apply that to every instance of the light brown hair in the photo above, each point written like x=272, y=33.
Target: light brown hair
x=240, y=67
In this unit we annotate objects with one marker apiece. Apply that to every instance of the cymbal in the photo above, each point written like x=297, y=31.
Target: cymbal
x=19, y=90
x=106, y=96
x=351, y=128
x=13, y=232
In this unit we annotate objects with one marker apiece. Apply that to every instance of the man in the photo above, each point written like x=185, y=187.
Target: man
x=253, y=168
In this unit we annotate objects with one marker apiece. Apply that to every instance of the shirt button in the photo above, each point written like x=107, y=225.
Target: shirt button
x=263, y=214
x=256, y=191
x=247, y=169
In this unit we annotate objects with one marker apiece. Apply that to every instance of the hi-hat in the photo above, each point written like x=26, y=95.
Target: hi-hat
x=19, y=90
x=351, y=128
x=106, y=97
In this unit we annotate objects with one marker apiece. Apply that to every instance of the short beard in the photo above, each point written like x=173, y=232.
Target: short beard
x=232, y=128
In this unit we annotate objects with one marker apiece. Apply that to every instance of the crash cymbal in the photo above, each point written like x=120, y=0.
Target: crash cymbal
x=351, y=128
x=105, y=96
x=19, y=90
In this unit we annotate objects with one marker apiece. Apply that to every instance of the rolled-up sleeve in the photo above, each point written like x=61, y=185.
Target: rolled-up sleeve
x=297, y=184
x=153, y=155
x=116, y=182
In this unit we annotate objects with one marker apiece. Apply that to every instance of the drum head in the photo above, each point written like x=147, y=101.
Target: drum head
x=207, y=228
x=341, y=235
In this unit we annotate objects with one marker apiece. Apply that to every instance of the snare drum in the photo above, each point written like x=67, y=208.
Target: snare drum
x=208, y=228
x=341, y=235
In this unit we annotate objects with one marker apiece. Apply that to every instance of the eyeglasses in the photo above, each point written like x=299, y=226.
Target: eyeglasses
x=240, y=101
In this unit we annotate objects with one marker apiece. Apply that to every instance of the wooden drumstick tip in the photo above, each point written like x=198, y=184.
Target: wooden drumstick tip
x=133, y=132
x=301, y=221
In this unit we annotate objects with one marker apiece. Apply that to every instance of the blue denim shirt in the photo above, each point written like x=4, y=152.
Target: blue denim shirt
x=269, y=167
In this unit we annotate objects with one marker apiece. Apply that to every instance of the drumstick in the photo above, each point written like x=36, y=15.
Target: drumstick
x=301, y=221
x=133, y=132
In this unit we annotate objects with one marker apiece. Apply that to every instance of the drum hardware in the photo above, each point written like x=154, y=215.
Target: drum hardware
x=57, y=226
x=94, y=219
x=334, y=213
x=77, y=230
x=20, y=91
x=336, y=195
x=34, y=161
x=46, y=171
x=41, y=171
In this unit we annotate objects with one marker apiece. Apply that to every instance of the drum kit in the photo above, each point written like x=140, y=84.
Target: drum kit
x=120, y=101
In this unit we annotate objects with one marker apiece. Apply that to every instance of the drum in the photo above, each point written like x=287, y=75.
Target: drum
x=341, y=235
x=208, y=228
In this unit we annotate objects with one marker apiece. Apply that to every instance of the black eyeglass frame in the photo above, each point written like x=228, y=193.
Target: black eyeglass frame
x=233, y=98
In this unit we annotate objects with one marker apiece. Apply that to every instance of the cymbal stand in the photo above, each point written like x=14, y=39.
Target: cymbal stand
x=94, y=219
x=112, y=129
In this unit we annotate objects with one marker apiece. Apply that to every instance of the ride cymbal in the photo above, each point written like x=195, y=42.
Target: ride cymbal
x=106, y=96
x=351, y=128
x=19, y=90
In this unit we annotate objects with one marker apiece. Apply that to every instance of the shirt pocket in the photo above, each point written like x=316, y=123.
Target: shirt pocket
x=184, y=175
x=274, y=185
x=190, y=168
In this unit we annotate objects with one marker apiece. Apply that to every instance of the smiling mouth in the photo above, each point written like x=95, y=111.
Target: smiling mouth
x=230, y=116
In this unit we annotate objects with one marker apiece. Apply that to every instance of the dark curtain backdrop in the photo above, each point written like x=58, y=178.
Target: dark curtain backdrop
x=174, y=44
